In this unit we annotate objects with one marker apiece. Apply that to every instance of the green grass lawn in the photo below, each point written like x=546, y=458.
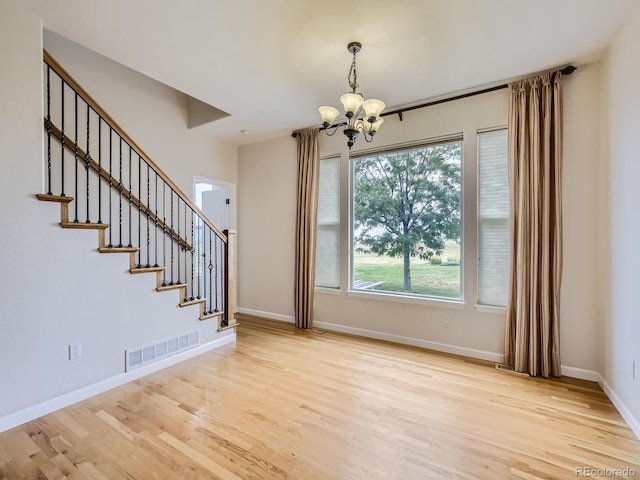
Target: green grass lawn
x=426, y=279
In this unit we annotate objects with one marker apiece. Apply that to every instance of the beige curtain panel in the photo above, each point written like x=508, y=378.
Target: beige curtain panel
x=306, y=226
x=532, y=341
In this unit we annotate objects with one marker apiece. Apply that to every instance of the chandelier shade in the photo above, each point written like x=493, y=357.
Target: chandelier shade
x=376, y=125
x=363, y=116
x=329, y=115
x=351, y=103
x=372, y=109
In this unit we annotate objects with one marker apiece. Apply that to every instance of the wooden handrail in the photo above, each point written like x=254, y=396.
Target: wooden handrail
x=70, y=144
x=49, y=60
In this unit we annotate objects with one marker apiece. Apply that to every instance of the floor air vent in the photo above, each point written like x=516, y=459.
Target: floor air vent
x=139, y=357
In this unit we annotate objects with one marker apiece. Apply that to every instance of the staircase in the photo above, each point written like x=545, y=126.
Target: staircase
x=105, y=182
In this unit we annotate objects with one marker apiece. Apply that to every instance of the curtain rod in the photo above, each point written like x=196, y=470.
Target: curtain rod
x=568, y=70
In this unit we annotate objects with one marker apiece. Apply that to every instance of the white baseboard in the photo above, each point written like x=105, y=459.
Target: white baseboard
x=415, y=342
x=632, y=421
x=48, y=406
x=580, y=373
x=269, y=315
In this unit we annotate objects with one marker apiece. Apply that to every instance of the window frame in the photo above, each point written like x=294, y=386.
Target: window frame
x=338, y=225
x=401, y=297
x=479, y=305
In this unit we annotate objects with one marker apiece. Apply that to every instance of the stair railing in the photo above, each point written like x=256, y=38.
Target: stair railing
x=138, y=209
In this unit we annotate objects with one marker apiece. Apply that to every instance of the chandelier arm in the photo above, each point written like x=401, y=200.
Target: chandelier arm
x=331, y=128
x=367, y=133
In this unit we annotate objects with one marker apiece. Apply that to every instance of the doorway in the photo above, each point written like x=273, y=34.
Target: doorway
x=217, y=200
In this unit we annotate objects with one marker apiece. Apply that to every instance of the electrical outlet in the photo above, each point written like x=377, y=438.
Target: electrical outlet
x=75, y=351
x=446, y=322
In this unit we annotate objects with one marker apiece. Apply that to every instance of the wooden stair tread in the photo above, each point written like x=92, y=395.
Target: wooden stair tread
x=45, y=197
x=118, y=249
x=137, y=270
x=85, y=225
x=207, y=316
x=195, y=301
x=175, y=286
x=228, y=327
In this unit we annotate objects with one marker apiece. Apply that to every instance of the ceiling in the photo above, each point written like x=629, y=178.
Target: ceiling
x=271, y=63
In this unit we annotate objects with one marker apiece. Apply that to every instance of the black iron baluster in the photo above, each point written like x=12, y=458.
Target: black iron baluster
x=49, y=130
x=215, y=271
x=130, y=198
x=202, y=245
x=156, y=221
x=200, y=233
x=75, y=156
x=171, y=239
x=139, y=211
x=87, y=160
x=148, y=211
x=120, y=188
x=223, y=279
x=223, y=299
x=62, y=144
x=179, y=238
x=99, y=168
x=110, y=183
x=164, y=233
x=193, y=251
x=48, y=127
x=210, y=275
x=186, y=277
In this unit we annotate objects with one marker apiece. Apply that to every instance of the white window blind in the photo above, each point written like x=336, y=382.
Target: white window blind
x=493, y=218
x=328, y=244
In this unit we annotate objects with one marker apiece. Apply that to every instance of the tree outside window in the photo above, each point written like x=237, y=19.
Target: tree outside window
x=406, y=207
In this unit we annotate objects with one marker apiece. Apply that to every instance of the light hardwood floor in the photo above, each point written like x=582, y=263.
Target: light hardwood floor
x=286, y=404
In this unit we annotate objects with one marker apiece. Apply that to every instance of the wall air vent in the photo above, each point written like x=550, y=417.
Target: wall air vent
x=138, y=357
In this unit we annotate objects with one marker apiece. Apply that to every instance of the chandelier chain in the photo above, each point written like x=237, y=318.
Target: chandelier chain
x=352, y=78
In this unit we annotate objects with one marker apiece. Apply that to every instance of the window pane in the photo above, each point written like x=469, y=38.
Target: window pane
x=406, y=207
x=328, y=243
x=327, y=256
x=493, y=218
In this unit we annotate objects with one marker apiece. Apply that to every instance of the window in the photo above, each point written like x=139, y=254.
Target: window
x=407, y=221
x=493, y=218
x=328, y=243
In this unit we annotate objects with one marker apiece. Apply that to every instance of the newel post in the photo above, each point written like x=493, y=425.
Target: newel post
x=229, y=277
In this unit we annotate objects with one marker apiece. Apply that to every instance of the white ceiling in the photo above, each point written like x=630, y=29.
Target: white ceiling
x=271, y=63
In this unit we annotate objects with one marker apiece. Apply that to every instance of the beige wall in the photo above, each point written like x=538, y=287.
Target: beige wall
x=580, y=328
x=266, y=280
x=620, y=220
x=266, y=226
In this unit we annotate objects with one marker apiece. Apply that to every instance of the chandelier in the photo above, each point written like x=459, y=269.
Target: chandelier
x=362, y=115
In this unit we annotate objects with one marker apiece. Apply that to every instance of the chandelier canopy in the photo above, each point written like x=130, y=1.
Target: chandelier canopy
x=362, y=115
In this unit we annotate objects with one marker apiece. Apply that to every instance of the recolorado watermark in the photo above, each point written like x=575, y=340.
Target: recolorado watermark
x=606, y=472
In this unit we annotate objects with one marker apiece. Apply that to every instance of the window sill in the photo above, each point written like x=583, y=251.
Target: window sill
x=492, y=309
x=390, y=297
x=327, y=291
